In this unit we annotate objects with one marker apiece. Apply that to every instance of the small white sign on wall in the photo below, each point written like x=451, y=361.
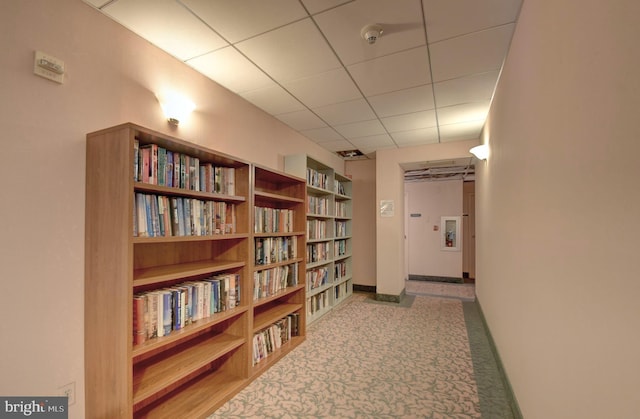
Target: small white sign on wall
x=386, y=208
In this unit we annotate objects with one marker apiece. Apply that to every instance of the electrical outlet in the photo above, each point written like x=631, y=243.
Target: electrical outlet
x=69, y=390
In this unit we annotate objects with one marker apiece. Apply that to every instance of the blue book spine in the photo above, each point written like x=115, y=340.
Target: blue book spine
x=166, y=315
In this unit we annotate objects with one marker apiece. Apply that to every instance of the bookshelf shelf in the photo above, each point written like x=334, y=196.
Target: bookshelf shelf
x=328, y=201
x=141, y=365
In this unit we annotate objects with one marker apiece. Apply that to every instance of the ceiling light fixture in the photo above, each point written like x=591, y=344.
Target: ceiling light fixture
x=371, y=33
x=175, y=106
x=480, y=151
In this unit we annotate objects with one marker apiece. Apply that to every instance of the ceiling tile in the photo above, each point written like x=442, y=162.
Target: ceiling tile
x=321, y=135
x=360, y=129
x=464, y=131
x=412, y=121
x=316, y=6
x=339, y=145
x=292, y=52
x=188, y=38
x=229, y=68
x=346, y=112
x=301, y=120
x=475, y=88
x=444, y=19
x=401, y=22
x=463, y=113
x=274, y=100
x=475, y=53
x=394, y=72
x=240, y=20
x=403, y=101
x=370, y=143
x=416, y=137
x=324, y=88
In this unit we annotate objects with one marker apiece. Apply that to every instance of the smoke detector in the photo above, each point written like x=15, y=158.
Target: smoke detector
x=371, y=33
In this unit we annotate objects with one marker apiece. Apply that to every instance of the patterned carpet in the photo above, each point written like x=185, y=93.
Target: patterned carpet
x=379, y=361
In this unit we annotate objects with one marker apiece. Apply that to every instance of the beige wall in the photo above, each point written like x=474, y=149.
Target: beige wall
x=390, y=243
x=363, y=174
x=433, y=200
x=558, y=208
x=112, y=76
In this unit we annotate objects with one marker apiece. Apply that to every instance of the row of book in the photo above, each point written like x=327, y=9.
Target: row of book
x=317, y=179
x=339, y=248
x=341, y=229
x=273, y=220
x=317, y=277
x=268, y=282
x=317, y=252
x=316, y=229
x=163, y=216
x=317, y=205
x=158, y=166
x=339, y=188
x=275, y=249
x=341, y=209
x=340, y=270
x=157, y=313
x=273, y=337
x=341, y=291
x=318, y=302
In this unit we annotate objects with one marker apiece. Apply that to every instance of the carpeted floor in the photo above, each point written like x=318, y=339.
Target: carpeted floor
x=426, y=359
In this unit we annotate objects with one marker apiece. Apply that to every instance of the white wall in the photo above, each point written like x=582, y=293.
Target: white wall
x=112, y=76
x=390, y=243
x=432, y=200
x=558, y=205
x=363, y=175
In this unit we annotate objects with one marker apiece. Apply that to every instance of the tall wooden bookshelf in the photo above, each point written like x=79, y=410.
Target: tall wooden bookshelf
x=278, y=263
x=329, y=241
x=198, y=365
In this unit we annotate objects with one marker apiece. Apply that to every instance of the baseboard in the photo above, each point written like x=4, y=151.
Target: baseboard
x=515, y=408
x=390, y=298
x=364, y=288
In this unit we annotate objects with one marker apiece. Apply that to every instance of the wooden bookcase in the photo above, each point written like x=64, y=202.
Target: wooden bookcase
x=329, y=241
x=191, y=371
x=277, y=194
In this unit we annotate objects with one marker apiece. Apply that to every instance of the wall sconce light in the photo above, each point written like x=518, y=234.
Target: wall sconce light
x=480, y=151
x=175, y=106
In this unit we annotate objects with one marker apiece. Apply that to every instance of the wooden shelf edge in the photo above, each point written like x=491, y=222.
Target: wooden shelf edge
x=151, y=380
x=200, y=398
x=279, y=294
x=166, y=273
x=172, y=239
x=192, y=329
x=166, y=190
x=272, y=315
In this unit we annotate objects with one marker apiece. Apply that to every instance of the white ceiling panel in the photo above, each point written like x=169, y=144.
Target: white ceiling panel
x=463, y=131
x=360, y=129
x=317, y=6
x=416, y=137
x=401, y=22
x=474, y=88
x=321, y=135
x=474, y=53
x=273, y=100
x=346, y=112
x=463, y=113
x=305, y=61
x=239, y=20
x=393, y=72
x=188, y=37
x=301, y=120
x=445, y=20
x=229, y=68
x=324, y=88
x=292, y=52
x=410, y=121
x=403, y=101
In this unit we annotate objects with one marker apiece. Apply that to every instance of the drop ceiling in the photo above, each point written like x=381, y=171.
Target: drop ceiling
x=428, y=79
